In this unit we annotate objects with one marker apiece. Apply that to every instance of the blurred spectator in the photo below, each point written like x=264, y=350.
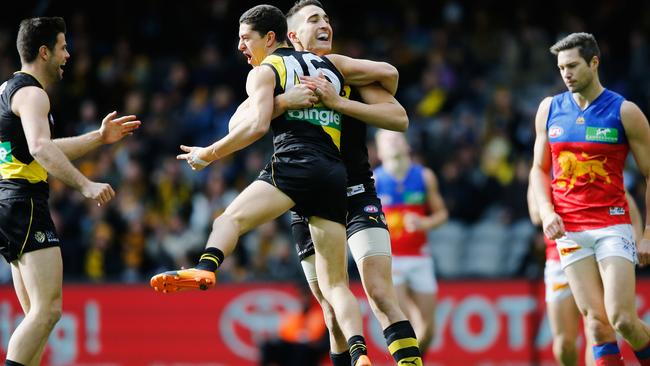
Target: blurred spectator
x=471, y=77
x=302, y=335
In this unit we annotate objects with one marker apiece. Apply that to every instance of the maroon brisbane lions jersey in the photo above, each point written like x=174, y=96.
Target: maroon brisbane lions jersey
x=588, y=149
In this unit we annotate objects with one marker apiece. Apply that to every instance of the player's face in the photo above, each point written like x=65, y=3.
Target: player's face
x=58, y=58
x=391, y=145
x=576, y=73
x=252, y=44
x=313, y=29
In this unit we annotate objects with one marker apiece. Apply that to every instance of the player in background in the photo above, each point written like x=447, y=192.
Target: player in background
x=583, y=137
x=413, y=206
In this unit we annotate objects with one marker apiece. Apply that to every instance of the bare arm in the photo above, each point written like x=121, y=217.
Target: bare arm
x=246, y=128
x=112, y=130
x=635, y=217
x=32, y=105
x=540, y=178
x=379, y=109
x=439, y=213
x=533, y=210
x=637, y=132
x=359, y=72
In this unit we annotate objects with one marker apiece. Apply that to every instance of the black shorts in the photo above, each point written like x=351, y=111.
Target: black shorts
x=25, y=226
x=315, y=182
x=364, y=212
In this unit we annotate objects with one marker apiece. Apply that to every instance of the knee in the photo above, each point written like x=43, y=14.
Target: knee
x=226, y=218
x=379, y=299
x=48, y=316
x=563, y=346
x=623, y=322
x=599, y=328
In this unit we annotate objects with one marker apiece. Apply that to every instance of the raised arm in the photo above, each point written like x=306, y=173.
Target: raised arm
x=540, y=180
x=358, y=72
x=112, y=130
x=637, y=132
x=32, y=105
x=246, y=128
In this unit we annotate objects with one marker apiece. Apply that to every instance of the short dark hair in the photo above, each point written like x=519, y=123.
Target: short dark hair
x=301, y=4
x=36, y=32
x=585, y=42
x=266, y=18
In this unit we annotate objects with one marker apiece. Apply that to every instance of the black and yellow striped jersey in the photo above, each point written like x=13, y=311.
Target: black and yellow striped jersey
x=18, y=168
x=318, y=127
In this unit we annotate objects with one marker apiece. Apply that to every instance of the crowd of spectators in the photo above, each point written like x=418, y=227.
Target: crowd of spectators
x=471, y=77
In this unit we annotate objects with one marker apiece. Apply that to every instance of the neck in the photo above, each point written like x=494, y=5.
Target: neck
x=278, y=45
x=589, y=94
x=36, y=72
x=398, y=166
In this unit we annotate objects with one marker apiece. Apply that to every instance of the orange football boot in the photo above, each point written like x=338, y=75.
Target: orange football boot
x=183, y=279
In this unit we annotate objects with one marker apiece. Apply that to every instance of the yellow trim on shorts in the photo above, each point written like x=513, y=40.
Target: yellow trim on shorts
x=29, y=228
x=401, y=344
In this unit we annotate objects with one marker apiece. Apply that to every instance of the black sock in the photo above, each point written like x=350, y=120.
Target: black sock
x=357, y=347
x=402, y=343
x=210, y=260
x=341, y=359
x=12, y=363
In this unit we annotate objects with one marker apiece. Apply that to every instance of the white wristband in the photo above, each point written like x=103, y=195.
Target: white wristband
x=196, y=160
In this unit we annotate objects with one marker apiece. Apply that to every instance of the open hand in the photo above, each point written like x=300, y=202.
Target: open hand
x=114, y=129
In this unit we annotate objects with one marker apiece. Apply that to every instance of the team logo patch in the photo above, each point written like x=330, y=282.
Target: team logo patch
x=578, y=166
x=371, y=209
x=39, y=236
x=555, y=131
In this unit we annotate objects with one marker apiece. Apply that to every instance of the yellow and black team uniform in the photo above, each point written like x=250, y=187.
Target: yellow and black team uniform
x=363, y=206
x=25, y=221
x=306, y=164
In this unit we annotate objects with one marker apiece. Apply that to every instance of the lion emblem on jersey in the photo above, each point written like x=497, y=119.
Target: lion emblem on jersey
x=574, y=168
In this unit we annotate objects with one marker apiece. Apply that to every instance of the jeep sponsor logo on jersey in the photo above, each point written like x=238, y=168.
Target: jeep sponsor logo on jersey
x=316, y=116
x=414, y=198
x=602, y=134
